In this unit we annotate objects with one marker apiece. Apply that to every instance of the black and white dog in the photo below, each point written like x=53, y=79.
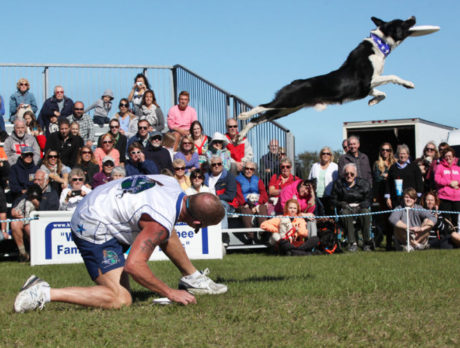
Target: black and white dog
x=355, y=79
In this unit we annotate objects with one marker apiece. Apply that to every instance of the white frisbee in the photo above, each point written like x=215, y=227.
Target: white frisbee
x=420, y=30
x=162, y=301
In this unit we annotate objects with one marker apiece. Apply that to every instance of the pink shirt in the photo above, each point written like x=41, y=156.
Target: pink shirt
x=289, y=192
x=99, y=154
x=443, y=176
x=181, y=118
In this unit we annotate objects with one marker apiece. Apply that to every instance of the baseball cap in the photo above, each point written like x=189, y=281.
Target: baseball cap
x=107, y=159
x=27, y=149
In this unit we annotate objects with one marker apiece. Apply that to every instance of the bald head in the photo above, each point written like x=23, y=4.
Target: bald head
x=206, y=208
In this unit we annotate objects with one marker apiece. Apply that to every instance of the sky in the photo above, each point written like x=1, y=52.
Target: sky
x=251, y=49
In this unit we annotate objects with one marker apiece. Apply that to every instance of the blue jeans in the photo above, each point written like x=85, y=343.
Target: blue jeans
x=228, y=209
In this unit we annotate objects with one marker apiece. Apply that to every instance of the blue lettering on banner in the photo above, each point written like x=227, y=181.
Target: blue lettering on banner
x=204, y=240
x=191, y=234
x=67, y=250
x=49, y=236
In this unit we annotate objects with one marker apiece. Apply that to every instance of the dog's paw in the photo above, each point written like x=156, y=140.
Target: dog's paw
x=243, y=116
x=408, y=84
x=376, y=100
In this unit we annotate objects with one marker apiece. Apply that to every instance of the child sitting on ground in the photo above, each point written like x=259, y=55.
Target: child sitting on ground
x=102, y=108
x=290, y=233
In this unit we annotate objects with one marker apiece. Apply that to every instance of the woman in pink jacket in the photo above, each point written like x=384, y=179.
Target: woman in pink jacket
x=303, y=191
x=447, y=179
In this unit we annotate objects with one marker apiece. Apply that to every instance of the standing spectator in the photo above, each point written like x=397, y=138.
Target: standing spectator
x=218, y=147
x=137, y=164
x=157, y=153
x=88, y=163
x=19, y=139
x=381, y=167
x=120, y=141
x=65, y=143
x=253, y=196
x=22, y=172
x=197, y=181
x=2, y=113
x=85, y=122
x=107, y=149
x=432, y=170
x=358, y=158
x=402, y=175
x=420, y=222
x=352, y=195
x=187, y=153
x=179, y=174
x=447, y=179
x=71, y=196
x=270, y=162
x=142, y=135
x=200, y=141
x=151, y=111
x=345, y=145
x=105, y=175
x=141, y=85
x=324, y=172
x=127, y=119
x=102, y=108
x=180, y=117
x=223, y=184
x=22, y=100
x=240, y=150
x=58, y=106
x=58, y=173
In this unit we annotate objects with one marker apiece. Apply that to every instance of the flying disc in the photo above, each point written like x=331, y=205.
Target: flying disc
x=420, y=30
x=162, y=301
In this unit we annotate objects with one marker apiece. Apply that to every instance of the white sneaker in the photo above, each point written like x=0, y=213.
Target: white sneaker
x=31, y=296
x=202, y=285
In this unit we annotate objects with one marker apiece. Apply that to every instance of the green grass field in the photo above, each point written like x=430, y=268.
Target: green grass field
x=362, y=299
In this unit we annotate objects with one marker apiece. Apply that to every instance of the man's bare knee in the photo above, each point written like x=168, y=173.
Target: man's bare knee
x=122, y=298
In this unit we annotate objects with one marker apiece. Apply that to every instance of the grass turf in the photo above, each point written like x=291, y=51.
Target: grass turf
x=361, y=299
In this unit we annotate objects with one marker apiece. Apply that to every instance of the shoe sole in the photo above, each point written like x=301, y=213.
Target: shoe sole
x=195, y=291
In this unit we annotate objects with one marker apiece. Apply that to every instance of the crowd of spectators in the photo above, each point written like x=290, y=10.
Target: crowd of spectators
x=52, y=161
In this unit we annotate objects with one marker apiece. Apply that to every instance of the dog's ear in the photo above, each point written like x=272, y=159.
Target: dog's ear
x=409, y=22
x=377, y=22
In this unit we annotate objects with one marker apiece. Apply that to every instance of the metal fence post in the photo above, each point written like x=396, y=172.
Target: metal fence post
x=290, y=149
x=45, y=83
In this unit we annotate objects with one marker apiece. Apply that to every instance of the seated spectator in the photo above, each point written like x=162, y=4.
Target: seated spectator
x=107, y=149
x=120, y=141
x=58, y=105
x=352, y=195
x=22, y=100
x=137, y=164
x=142, y=135
x=402, y=175
x=270, y=162
x=71, y=196
x=4, y=174
x=200, y=141
x=58, y=173
x=2, y=113
x=65, y=144
x=197, y=180
x=168, y=144
x=157, y=153
x=141, y=85
x=179, y=174
x=280, y=181
x=127, y=119
x=102, y=108
x=75, y=129
x=420, y=222
x=440, y=234
x=223, y=184
x=254, y=197
x=118, y=173
x=240, y=150
x=85, y=122
x=324, y=172
x=88, y=163
x=18, y=139
x=53, y=126
x=447, y=179
x=151, y=111
x=180, y=118
x=290, y=233
x=22, y=172
x=33, y=128
x=218, y=147
x=302, y=190
x=105, y=175
x=47, y=200
x=187, y=153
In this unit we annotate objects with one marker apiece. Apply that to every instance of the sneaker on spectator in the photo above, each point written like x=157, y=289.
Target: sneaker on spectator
x=353, y=248
x=25, y=257
x=31, y=296
x=367, y=248
x=201, y=285
x=407, y=248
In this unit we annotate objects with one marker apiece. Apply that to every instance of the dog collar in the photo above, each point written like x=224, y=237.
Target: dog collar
x=381, y=44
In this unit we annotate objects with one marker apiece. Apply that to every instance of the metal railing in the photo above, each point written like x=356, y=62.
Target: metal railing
x=87, y=83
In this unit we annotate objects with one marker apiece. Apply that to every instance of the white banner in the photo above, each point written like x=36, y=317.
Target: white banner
x=51, y=241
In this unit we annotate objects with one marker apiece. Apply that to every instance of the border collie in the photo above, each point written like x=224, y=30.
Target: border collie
x=354, y=80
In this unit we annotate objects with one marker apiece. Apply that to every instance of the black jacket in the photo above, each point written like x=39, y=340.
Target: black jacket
x=68, y=149
x=49, y=107
x=342, y=194
x=159, y=155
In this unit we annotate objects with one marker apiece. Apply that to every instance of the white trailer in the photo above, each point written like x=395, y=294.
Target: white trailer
x=414, y=132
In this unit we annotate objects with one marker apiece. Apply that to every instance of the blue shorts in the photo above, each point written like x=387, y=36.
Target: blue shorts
x=101, y=258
